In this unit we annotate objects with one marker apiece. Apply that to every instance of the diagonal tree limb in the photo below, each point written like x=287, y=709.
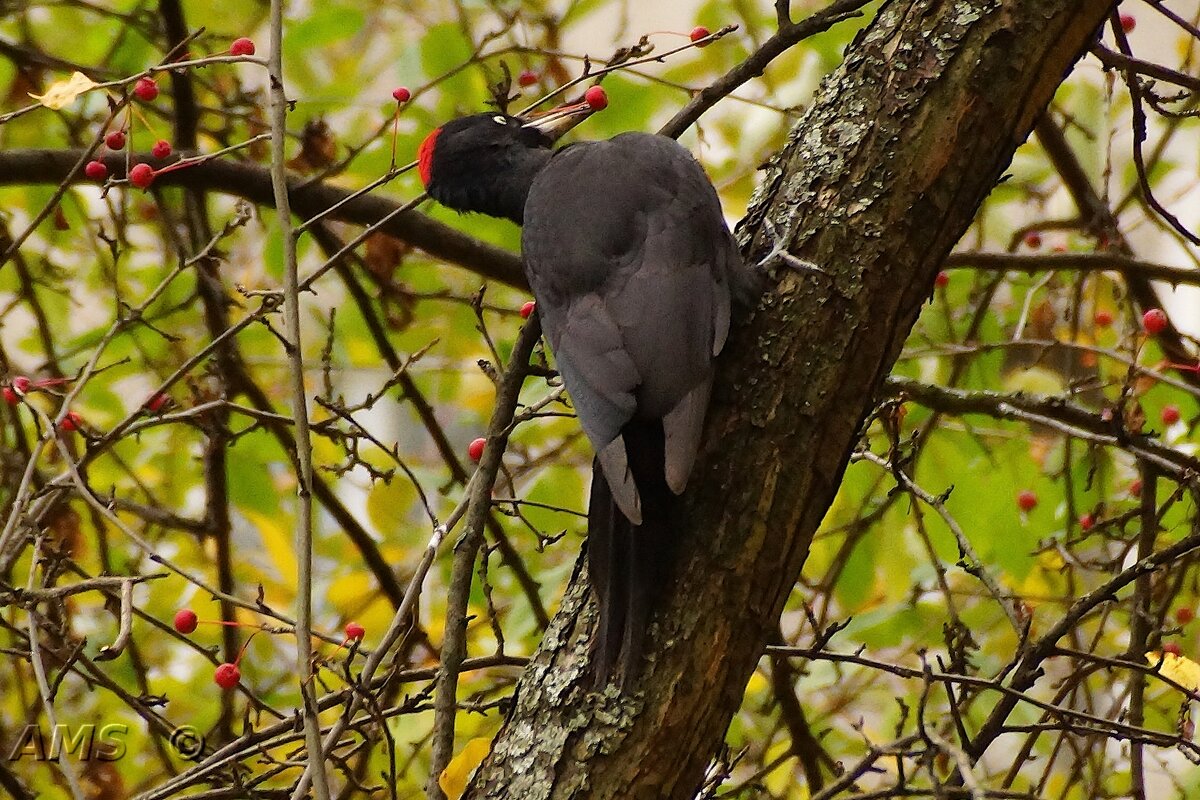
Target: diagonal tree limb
x=876, y=184
x=253, y=182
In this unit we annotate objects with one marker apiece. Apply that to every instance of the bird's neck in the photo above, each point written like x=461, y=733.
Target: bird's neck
x=513, y=180
x=500, y=190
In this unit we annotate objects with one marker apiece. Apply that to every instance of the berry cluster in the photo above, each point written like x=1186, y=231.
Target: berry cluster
x=146, y=89
x=228, y=674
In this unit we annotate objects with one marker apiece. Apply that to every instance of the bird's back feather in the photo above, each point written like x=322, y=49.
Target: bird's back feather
x=631, y=262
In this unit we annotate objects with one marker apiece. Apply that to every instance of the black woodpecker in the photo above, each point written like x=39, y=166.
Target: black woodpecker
x=634, y=272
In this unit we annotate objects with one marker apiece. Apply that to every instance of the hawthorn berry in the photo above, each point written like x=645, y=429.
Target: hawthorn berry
x=241, y=47
x=157, y=402
x=95, y=170
x=141, y=175
x=161, y=149
x=700, y=32
x=1170, y=415
x=1086, y=522
x=1033, y=239
x=146, y=89
x=475, y=449
x=401, y=94
x=73, y=421
x=528, y=309
x=115, y=140
x=942, y=280
x=1135, y=488
x=185, y=620
x=1184, y=615
x=227, y=675
x=1172, y=648
x=14, y=391
x=1104, y=318
x=1154, y=321
x=1026, y=500
x=354, y=630
x=527, y=78
x=1128, y=22
x=596, y=98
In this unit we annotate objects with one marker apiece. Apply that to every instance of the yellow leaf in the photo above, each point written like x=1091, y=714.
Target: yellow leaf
x=1182, y=670
x=453, y=779
x=356, y=596
x=278, y=544
x=62, y=93
x=389, y=503
x=1051, y=560
x=757, y=685
x=1034, y=380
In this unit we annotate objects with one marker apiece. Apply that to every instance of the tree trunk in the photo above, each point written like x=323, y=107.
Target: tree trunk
x=876, y=184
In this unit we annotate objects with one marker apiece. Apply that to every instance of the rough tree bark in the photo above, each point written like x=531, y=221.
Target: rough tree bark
x=877, y=183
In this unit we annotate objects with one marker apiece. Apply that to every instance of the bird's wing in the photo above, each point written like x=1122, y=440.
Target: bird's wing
x=629, y=257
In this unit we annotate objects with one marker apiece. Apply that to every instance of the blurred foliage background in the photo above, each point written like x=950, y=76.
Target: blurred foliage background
x=886, y=566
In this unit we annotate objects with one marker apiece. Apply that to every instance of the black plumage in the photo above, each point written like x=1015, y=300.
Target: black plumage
x=634, y=271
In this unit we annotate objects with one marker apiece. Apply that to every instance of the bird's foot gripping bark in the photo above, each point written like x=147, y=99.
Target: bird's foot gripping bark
x=780, y=255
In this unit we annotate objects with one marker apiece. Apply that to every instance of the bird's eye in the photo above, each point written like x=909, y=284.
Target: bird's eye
x=500, y=119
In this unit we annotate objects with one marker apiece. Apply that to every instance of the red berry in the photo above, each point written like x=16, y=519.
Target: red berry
x=527, y=78
x=73, y=421
x=1135, y=488
x=1170, y=415
x=1033, y=239
x=142, y=175
x=95, y=170
x=1154, y=321
x=21, y=384
x=1026, y=500
x=1087, y=522
x=157, y=402
x=1128, y=22
x=1104, y=318
x=700, y=32
x=146, y=89
x=161, y=149
x=227, y=675
x=475, y=449
x=527, y=309
x=1184, y=615
x=942, y=280
x=10, y=395
x=16, y=390
x=241, y=47
x=596, y=98
x=1172, y=648
x=115, y=140
x=185, y=620
x=402, y=94
x=355, y=630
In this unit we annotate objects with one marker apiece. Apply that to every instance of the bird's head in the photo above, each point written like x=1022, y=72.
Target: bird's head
x=486, y=162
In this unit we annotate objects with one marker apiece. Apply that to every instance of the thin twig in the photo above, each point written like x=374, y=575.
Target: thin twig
x=305, y=669
x=454, y=649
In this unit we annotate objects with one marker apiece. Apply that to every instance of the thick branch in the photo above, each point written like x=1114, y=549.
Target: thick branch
x=253, y=182
x=877, y=183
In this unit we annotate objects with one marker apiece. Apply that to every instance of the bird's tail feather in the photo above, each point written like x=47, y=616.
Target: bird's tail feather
x=630, y=564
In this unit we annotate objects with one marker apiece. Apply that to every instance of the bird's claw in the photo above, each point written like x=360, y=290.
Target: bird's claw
x=779, y=254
